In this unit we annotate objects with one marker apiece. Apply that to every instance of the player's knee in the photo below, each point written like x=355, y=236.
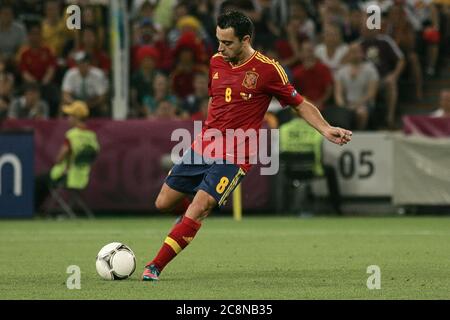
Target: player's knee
x=162, y=205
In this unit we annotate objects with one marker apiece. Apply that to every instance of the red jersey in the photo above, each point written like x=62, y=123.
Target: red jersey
x=240, y=96
x=37, y=61
x=313, y=82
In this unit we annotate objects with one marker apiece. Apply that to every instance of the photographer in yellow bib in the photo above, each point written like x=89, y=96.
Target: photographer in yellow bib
x=75, y=157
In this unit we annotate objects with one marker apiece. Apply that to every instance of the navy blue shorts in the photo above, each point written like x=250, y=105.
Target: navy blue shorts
x=217, y=179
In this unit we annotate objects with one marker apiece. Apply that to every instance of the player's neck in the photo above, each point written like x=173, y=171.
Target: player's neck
x=246, y=54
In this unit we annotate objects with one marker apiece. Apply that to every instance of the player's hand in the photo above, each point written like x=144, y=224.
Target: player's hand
x=338, y=135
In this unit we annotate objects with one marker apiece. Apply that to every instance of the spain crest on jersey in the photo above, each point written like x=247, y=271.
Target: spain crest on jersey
x=250, y=80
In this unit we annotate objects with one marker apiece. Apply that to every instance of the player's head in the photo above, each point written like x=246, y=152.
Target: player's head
x=234, y=33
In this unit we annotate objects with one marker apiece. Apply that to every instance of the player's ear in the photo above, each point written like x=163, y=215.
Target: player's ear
x=246, y=39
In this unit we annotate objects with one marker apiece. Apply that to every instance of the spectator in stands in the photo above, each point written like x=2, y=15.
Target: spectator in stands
x=92, y=19
x=12, y=33
x=30, y=105
x=279, y=14
x=91, y=45
x=248, y=7
x=444, y=105
x=149, y=34
x=55, y=33
x=6, y=88
x=298, y=29
x=356, y=86
x=29, y=11
x=403, y=33
x=306, y=28
x=383, y=52
x=202, y=10
x=332, y=51
x=334, y=12
x=313, y=78
x=164, y=12
x=424, y=16
x=142, y=11
x=37, y=64
x=180, y=9
x=266, y=32
x=161, y=92
x=192, y=103
x=86, y=83
x=384, y=5
x=352, y=31
x=165, y=110
x=188, y=61
x=191, y=25
x=142, y=80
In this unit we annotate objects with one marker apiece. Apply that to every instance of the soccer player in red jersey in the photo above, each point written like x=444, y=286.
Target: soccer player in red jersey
x=242, y=83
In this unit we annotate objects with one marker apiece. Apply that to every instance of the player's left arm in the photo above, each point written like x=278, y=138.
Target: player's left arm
x=277, y=84
x=312, y=115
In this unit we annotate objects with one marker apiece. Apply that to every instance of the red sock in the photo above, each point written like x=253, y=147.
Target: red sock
x=179, y=237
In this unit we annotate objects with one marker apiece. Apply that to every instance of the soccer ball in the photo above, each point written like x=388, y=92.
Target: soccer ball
x=115, y=261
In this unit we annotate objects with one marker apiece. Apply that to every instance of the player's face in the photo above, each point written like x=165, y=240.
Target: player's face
x=229, y=45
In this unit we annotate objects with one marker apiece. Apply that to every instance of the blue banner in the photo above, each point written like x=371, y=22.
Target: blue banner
x=16, y=174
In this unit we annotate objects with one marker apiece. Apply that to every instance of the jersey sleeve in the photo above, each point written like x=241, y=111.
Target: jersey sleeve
x=278, y=85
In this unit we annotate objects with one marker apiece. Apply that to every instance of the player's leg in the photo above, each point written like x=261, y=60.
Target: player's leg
x=182, y=180
x=181, y=234
x=168, y=199
x=213, y=190
x=201, y=206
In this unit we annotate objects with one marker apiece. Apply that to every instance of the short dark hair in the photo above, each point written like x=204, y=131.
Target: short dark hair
x=241, y=24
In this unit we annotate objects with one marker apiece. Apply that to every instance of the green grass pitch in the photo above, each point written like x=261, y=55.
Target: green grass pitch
x=257, y=258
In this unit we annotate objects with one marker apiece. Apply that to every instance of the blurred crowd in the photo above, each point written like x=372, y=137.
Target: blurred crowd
x=352, y=73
